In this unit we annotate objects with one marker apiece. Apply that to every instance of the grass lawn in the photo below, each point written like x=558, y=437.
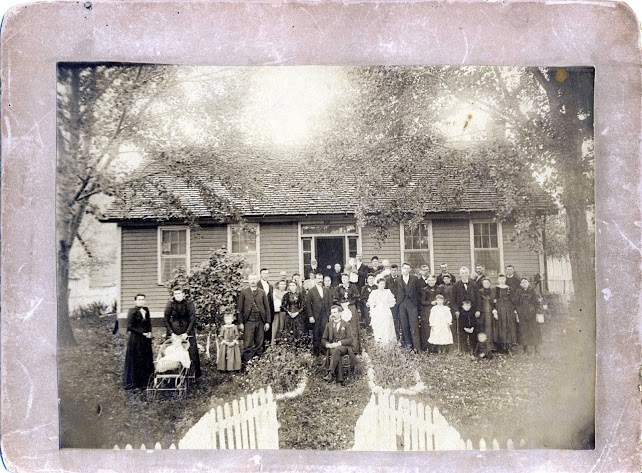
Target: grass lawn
x=546, y=399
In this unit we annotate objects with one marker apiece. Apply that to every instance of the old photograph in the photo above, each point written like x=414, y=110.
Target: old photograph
x=368, y=258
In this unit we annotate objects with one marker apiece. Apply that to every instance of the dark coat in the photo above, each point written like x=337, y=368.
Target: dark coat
x=422, y=282
x=408, y=292
x=344, y=335
x=440, y=279
x=350, y=295
x=513, y=282
x=428, y=295
x=363, y=272
x=180, y=317
x=393, y=286
x=460, y=294
x=318, y=307
x=139, y=360
x=247, y=300
x=270, y=296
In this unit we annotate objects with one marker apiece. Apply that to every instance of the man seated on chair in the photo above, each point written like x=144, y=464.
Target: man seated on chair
x=338, y=339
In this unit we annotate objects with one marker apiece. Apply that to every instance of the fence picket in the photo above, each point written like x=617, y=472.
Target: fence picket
x=256, y=396
x=251, y=426
x=220, y=424
x=243, y=418
x=509, y=444
x=482, y=445
x=469, y=444
x=495, y=444
x=421, y=426
x=227, y=412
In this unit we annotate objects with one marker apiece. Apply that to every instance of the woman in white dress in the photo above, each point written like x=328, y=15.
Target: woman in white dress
x=380, y=302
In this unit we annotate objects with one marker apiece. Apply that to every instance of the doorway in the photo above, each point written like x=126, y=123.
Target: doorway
x=330, y=250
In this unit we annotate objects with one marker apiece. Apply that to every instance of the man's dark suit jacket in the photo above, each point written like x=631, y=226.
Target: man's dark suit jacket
x=270, y=296
x=317, y=307
x=408, y=291
x=245, y=301
x=363, y=272
x=460, y=294
x=344, y=335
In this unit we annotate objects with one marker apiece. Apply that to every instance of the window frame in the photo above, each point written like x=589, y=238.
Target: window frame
x=257, y=226
x=159, y=249
x=402, y=244
x=500, y=241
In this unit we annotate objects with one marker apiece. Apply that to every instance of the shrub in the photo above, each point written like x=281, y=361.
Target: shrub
x=282, y=366
x=93, y=309
x=394, y=366
x=213, y=287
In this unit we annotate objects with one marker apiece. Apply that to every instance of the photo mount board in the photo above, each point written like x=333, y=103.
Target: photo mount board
x=37, y=37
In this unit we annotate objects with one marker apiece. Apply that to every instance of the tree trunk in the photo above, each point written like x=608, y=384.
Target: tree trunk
x=65, y=333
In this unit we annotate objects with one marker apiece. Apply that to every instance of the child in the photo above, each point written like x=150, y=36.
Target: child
x=483, y=349
x=467, y=324
x=229, y=351
x=174, y=354
x=440, y=321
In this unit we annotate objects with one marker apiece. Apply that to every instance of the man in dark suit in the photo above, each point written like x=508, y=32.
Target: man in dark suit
x=466, y=289
x=254, y=313
x=512, y=279
x=317, y=304
x=480, y=275
x=424, y=272
x=269, y=290
x=362, y=272
x=337, y=339
x=408, y=307
x=444, y=271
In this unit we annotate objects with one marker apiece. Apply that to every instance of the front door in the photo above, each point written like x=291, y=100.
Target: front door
x=330, y=250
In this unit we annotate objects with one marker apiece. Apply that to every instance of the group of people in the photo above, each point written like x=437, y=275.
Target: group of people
x=423, y=312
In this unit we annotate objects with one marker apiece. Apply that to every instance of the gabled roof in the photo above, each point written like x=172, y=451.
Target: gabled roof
x=294, y=191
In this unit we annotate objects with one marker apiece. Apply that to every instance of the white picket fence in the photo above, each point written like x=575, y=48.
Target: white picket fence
x=249, y=423
x=391, y=424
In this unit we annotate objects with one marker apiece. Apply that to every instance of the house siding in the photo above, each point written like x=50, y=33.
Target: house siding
x=139, y=272
x=527, y=263
x=279, y=248
x=205, y=241
x=390, y=249
x=451, y=244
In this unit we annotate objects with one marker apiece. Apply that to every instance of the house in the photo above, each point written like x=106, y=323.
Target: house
x=294, y=223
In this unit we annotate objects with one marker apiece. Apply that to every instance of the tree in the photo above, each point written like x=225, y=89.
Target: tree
x=110, y=114
x=536, y=141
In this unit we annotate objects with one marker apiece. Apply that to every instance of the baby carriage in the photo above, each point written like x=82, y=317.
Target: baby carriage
x=172, y=369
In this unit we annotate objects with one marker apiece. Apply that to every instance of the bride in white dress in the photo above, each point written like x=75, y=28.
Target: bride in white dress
x=380, y=302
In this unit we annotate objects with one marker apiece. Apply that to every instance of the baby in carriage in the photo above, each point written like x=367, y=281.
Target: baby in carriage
x=174, y=354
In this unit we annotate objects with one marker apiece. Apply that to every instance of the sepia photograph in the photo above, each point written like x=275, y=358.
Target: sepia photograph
x=366, y=258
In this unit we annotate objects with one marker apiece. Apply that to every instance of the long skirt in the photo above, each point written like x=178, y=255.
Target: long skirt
x=139, y=361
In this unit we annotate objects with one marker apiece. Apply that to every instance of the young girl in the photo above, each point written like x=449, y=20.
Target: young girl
x=527, y=304
x=440, y=321
x=506, y=333
x=229, y=352
x=278, y=323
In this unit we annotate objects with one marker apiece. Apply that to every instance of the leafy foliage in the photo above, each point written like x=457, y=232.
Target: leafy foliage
x=282, y=366
x=93, y=309
x=213, y=286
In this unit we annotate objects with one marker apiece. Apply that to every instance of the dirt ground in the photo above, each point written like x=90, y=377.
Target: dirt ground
x=545, y=399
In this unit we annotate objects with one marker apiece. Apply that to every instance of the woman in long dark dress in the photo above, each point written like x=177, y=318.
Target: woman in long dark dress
x=139, y=360
x=487, y=319
x=180, y=319
x=506, y=333
x=292, y=304
x=526, y=304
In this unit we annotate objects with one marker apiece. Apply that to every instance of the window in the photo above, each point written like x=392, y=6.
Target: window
x=352, y=247
x=245, y=241
x=173, y=252
x=486, y=248
x=307, y=256
x=417, y=244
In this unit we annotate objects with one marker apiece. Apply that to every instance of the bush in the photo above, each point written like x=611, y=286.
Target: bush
x=282, y=366
x=213, y=287
x=93, y=309
x=394, y=366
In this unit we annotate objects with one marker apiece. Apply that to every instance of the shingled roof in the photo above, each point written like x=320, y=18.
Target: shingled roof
x=287, y=191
